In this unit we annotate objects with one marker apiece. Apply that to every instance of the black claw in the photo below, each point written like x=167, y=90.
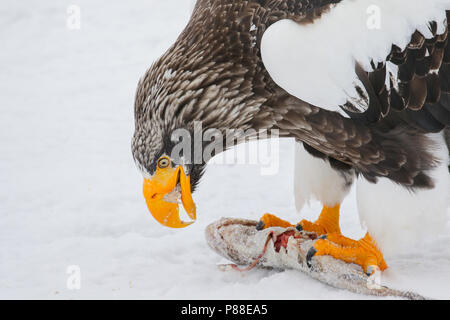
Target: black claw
x=370, y=271
x=310, y=254
x=299, y=227
x=260, y=225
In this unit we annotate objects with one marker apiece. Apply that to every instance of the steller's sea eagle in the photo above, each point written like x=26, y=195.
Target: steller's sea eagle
x=363, y=87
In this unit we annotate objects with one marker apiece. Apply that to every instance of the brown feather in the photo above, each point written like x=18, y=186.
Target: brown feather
x=418, y=93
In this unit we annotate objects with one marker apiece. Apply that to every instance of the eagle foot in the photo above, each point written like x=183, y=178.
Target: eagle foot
x=269, y=220
x=363, y=252
x=328, y=222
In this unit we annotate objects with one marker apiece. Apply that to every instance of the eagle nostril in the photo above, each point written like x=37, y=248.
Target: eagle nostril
x=154, y=196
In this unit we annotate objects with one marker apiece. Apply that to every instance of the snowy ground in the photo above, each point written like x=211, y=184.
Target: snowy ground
x=71, y=195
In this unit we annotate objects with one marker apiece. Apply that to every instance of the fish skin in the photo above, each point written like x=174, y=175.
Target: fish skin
x=239, y=241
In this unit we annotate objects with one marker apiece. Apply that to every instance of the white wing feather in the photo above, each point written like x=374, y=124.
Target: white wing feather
x=315, y=62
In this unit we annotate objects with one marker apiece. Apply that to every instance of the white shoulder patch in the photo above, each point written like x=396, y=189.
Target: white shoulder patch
x=315, y=62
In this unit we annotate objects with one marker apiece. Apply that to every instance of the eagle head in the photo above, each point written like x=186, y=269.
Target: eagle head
x=162, y=145
x=199, y=80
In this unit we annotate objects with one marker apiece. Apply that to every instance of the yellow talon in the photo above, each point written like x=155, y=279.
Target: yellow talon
x=328, y=222
x=363, y=252
x=269, y=220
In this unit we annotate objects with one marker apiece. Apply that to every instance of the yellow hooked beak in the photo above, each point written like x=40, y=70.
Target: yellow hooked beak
x=162, y=194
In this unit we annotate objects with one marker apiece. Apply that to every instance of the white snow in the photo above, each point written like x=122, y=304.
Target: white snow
x=70, y=191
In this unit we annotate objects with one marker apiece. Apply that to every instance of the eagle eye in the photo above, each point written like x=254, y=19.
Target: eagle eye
x=163, y=162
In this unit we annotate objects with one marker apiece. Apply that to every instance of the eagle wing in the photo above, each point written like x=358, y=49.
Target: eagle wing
x=373, y=88
x=340, y=62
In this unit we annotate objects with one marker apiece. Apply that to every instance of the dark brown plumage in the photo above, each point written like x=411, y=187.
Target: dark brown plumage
x=214, y=73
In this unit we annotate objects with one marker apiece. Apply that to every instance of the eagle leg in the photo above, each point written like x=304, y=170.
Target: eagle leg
x=363, y=252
